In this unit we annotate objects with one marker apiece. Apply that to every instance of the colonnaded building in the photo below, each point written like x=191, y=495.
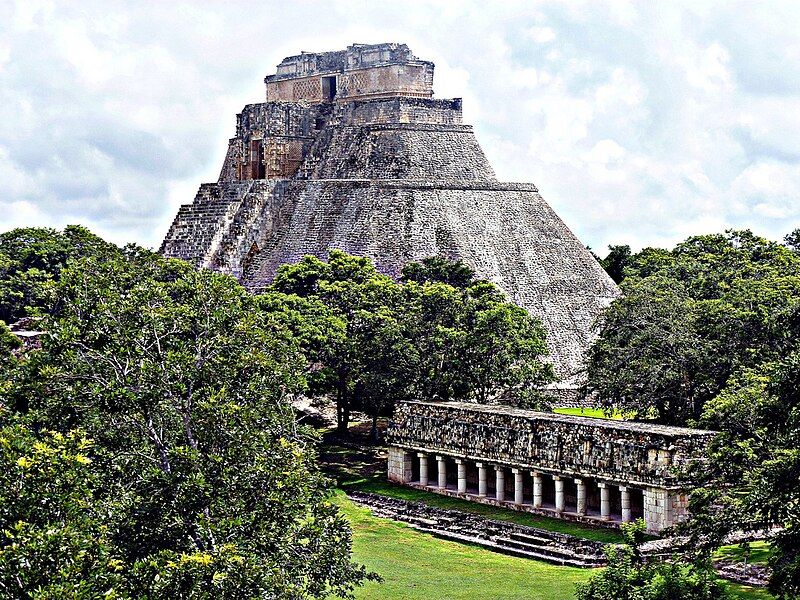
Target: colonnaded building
x=351, y=151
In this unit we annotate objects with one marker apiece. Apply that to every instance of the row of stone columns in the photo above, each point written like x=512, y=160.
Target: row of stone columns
x=500, y=487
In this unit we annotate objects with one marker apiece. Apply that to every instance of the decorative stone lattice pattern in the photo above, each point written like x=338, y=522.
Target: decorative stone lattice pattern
x=395, y=176
x=617, y=451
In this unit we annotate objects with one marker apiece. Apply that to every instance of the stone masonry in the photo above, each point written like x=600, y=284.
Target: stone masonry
x=351, y=151
x=578, y=467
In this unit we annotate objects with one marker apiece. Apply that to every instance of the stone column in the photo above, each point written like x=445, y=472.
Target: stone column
x=500, y=483
x=462, y=475
x=517, y=486
x=581, y=508
x=442, y=465
x=537, y=489
x=605, y=501
x=559, y=493
x=423, y=468
x=481, y=479
x=626, y=503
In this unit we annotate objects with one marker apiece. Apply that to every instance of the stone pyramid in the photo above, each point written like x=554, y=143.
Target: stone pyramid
x=351, y=151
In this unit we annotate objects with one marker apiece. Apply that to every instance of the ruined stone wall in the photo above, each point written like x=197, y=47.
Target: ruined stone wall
x=402, y=151
x=401, y=110
x=623, y=452
x=362, y=71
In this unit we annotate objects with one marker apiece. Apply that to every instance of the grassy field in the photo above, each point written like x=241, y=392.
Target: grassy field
x=417, y=566
x=759, y=553
x=587, y=412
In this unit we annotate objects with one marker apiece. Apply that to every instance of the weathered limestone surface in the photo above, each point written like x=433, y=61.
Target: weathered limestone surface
x=622, y=452
x=351, y=152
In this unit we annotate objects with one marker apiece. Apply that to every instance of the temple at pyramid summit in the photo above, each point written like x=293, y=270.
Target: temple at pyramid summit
x=351, y=151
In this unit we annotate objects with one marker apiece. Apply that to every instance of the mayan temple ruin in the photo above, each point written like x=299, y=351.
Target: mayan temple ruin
x=351, y=151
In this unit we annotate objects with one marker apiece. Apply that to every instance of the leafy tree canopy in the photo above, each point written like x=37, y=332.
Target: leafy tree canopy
x=32, y=258
x=177, y=468
x=707, y=334
x=689, y=319
x=439, y=334
x=629, y=577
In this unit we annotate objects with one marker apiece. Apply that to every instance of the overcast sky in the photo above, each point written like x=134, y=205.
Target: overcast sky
x=641, y=122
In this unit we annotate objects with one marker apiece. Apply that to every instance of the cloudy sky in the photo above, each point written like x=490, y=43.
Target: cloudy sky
x=641, y=122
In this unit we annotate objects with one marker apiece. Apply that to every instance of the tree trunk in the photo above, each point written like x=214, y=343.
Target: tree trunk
x=342, y=406
x=374, y=431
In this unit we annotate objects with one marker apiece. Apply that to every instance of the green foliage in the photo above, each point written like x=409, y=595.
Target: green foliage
x=616, y=261
x=31, y=259
x=437, y=269
x=53, y=543
x=423, y=339
x=203, y=484
x=754, y=481
x=690, y=319
x=629, y=577
x=707, y=334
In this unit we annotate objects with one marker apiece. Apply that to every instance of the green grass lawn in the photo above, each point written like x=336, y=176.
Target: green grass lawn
x=759, y=552
x=587, y=412
x=418, y=566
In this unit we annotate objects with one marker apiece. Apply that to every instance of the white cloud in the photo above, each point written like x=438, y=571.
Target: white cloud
x=641, y=123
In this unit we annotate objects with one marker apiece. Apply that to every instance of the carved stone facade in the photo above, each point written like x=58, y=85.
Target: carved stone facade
x=351, y=152
x=582, y=468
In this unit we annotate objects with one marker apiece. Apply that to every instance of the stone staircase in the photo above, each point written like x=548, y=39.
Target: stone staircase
x=499, y=536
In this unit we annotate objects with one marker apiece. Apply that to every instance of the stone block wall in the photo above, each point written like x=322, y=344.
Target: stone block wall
x=664, y=508
x=399, y=465
x=361, y=71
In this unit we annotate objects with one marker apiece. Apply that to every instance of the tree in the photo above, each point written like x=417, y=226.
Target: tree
x=616, y=261
x=792, y=240
x=753, y=477
x=354, y=292
x=437, y=269
x=209, y=487
x=424, y=339
x=690, y=319
x=707, y=334
x=32, y=258
x=630, y=577
x=52, y=540
x=649, y=358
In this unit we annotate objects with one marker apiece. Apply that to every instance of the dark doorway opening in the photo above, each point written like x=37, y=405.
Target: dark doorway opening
x=329, y=88
x=257, y=170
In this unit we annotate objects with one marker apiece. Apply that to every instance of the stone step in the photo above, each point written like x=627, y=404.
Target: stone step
x=552, y=551
x=510, y=551
x=499, y=536
x=536, y=540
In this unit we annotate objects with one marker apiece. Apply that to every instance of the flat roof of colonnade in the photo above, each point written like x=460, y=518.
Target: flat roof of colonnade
x=621, y=451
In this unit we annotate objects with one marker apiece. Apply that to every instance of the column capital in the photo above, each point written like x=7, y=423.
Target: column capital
x=578, y=481
x=459, y=461
x=516, y=471
x=439, y=457
x=499, y=468
x=623, y=488
x=556, y=477
x=479, y=465
x=422, y=454
x=535, y=474
x=602, y=485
